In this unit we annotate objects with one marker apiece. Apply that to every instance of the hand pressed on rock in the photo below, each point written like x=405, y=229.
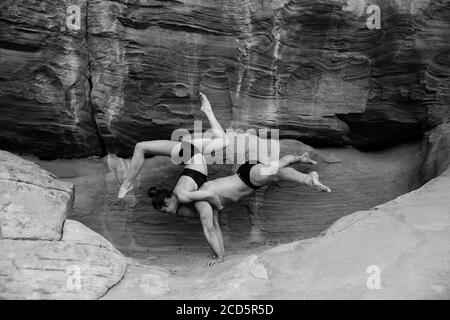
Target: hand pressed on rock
x=213, y=261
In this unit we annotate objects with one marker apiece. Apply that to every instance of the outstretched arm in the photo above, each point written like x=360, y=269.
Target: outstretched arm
x=219, y=231
x=213, y=237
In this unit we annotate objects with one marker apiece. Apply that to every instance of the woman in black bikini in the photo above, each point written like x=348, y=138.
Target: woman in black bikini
x=195, y=172
x=248, y=178
x=209, y=197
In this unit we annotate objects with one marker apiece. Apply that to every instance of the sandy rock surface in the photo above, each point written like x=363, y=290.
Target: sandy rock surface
x=33, y=202
x=50, y=269
x=43, y=255
x=404, y=243
x=286, y=212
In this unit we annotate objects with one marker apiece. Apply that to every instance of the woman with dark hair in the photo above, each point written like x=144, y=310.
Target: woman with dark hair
x=249, y=177
x=209, y=197
x=191, y=151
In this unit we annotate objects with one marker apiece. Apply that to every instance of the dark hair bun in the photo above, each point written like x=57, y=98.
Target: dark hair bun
x=152, y=192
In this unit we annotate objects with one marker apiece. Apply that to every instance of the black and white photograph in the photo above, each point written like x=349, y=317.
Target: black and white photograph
x=235, y=152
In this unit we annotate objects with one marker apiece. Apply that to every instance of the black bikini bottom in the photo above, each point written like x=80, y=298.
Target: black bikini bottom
x=197, y=176
x=244, y=173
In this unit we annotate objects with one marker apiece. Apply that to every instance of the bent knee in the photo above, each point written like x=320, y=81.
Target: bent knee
x=269, y=169
x=139, y=147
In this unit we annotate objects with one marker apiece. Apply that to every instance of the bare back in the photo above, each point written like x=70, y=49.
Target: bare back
x=229, y=189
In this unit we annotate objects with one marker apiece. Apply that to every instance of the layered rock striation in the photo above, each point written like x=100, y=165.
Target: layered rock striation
x=133, y=69
x=274, y=214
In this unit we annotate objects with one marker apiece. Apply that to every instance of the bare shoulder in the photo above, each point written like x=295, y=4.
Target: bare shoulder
x=185, y=183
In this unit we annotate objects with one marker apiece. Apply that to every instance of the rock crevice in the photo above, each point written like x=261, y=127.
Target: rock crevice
x=103, y=151
x=133, y=71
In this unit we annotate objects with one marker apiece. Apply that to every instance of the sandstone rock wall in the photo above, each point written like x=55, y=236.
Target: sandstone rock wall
x=44, y=81
x=404, y=242
x=43, y=255
x=281, y=213
x=406, y=238
x=133, y=70
x=33, y=204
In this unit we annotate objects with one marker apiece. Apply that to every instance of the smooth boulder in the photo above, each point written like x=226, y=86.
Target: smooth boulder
x=33, y=202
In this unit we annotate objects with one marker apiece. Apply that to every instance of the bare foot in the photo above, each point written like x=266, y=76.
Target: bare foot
x=315, y=183
x=206, y=106
x=124, y=190
x=304, y=158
